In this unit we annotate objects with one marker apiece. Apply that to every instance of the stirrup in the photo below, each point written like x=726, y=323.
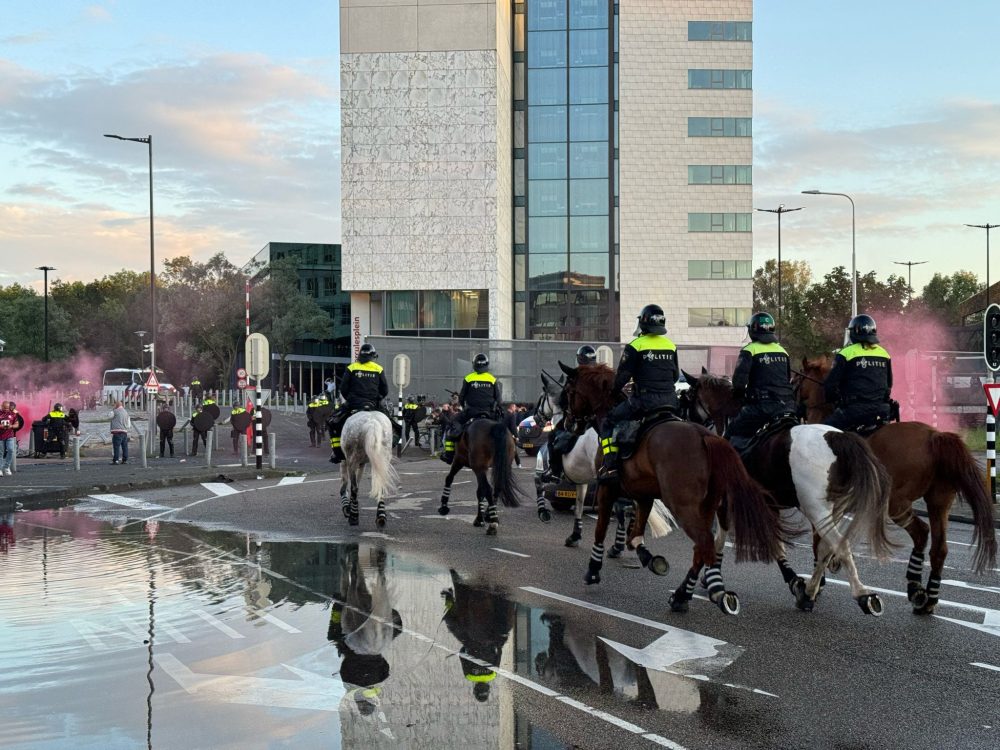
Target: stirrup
x=447, y=457
x=607, y=474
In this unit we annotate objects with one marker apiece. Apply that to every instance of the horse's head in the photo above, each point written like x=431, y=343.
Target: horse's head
x=549, y=404
x=809, y=387
x=587, y=395
x=710, y=400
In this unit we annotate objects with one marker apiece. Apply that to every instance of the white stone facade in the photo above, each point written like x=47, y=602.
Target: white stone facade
x=654, y=153
x=425, y=149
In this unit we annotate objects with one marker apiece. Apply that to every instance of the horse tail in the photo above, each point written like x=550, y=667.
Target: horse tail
x=385, y=480
x=758, y=530
x=504, y=483
x=955, y=465
x=860, y=485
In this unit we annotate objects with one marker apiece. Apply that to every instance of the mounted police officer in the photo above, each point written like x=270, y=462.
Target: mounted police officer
x=650, y=362
x=861, y=379
x=762, y=380
x=479, y=397
x=363, y=387
x=561, y=439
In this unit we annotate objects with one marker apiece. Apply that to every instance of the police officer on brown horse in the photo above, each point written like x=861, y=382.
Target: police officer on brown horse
x=363, y=387
x=762, y=379
x=479, y=397
x=650, y=363
x=861, y=379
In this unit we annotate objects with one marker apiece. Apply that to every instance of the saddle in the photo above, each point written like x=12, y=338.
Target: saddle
x=628, y=434
x=869, y=429
x=779, y=423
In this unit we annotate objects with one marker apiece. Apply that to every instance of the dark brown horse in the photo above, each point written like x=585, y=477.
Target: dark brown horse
x=486, y=444
x=923, y=462
x=698, y=476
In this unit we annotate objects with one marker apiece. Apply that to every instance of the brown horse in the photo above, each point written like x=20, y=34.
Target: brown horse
x=823, y=472
x=698, y=476
x=923, y=462
x=486, y=444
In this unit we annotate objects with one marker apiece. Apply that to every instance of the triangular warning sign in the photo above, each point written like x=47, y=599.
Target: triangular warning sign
x=151, y=381
x=992, y=395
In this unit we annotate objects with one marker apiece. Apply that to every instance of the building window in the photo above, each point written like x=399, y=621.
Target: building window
x=328, y=286
x=720, y=174
x=722, y=222
x=437, y=313
x=719, y=269
x=719, y=79
x=719, y=127
x=720, y=31
x=713, y=317
x=312, y=287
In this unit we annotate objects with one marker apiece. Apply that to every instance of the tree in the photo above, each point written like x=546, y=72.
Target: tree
x=943, y=295
x=795, y=278
x=22, y=325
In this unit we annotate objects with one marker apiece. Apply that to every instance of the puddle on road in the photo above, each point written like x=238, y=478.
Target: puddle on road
x=165, y=635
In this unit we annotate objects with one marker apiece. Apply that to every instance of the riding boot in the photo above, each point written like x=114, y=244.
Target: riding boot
x=555, y=470
x=338, y=454
x=448, y=454
x=609, y=470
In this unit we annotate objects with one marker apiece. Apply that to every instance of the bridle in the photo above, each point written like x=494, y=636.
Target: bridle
x=697, y=412
x=797, y=390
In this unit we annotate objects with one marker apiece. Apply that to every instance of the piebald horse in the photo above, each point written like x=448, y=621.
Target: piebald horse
x=699, y=477
x=367, y=439
x=923, y=462
x=823, y=472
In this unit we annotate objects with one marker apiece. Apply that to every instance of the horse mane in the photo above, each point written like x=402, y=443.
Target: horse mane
x=595, y=382
x=822, y=364
x=715, y=381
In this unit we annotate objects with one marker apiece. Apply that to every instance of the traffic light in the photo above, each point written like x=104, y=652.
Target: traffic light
x=148, y=347
x=991, y=337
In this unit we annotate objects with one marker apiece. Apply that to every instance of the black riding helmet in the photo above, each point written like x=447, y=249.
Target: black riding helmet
x=586, y=355
x=761, y=328
x=862, y=330
x=481, y=363
x=652, y=320
x=367, y=353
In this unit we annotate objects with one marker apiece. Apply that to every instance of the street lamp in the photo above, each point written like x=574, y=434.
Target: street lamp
x=854, y=264
x=45, y=270
x=987, y=227
x=142, y=349
x=909, y=274
x=779, y=211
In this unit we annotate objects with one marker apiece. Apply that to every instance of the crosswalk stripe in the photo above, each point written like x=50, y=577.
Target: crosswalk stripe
x=129, y=502
x=219, y=489
x=291, y=480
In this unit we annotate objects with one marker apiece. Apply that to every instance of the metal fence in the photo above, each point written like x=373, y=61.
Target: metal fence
x=437, y=366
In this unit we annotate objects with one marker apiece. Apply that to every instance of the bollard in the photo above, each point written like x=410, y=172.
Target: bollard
x=142, y=450
x=31, y=442
x=13, y=461
x=272, y=444
x=216, y=438
x=208, y=449
x=243, y=451
x=76, y=452
x=187, y=446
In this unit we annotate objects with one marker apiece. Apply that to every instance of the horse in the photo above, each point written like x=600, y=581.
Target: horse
x=922, y=462
x=823, y=472
x=367, y=438
x=699, y=477
x=485, y=443
x=579, y=466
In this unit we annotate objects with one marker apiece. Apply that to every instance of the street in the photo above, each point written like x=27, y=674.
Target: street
x=248, y=614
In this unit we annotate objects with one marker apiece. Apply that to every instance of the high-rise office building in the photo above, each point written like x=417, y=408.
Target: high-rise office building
x=543, y=169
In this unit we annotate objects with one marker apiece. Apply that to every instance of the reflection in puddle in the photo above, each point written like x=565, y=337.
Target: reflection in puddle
x=165, y=635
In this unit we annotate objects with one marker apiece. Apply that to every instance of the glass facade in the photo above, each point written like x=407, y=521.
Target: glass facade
x=720, y=174
x=704, y=317
x=719, y=127
x=720, y=31
x=565, y=159
x=719, y=269
x=740, y=222
x=453, y=314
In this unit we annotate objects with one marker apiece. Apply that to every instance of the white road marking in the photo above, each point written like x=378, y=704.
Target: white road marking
x=468, y=518
x=973, y=587
x=274, y=620
x=378, y=535
x=129, y=502
x=291, y=480
x=981, y=665
x=218, y=624
x=510, y=552
x=219, y=488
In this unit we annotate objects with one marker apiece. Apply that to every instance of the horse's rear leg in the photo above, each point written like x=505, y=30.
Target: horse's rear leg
x=833, y=543
x=345, y=497
x=456, y=466
x=656, y=563
x=352, y=518
x=544, y=514
x=796, y=583
x=624, y=514
x=380, y=516
x=483, y=495
x=604, y=502
x=939, y=502
x=573, y=540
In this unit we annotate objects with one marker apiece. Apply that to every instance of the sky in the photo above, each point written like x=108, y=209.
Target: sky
x=895, y=103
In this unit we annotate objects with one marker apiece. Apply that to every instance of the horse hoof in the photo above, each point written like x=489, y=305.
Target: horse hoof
x=380, y=522
x=491, y=529
x=870, y=604
x=572, y=541
x=543, y=515
x=444, y=510
x=659, y=565
x=591, y=577
x=834, y=565
x=478, y=521
x=927, y=608
x=918, y=597
x=352, y=520
x=677, y=604
x=615, y=551
x=729, y=603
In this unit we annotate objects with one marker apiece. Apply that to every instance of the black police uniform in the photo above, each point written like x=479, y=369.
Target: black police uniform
x=363, y=387
x=763, y=380
x=650, y=362
x=413, y=413
x=859, y=384
x=166, y=420
x=479, y=397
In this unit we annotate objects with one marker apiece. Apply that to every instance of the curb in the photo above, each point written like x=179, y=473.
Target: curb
x=968, y=520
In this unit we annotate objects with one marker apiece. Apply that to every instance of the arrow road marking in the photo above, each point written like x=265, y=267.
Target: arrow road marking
x=129, y=502
x=291, y=480
x=219, y=488
x=984, y=666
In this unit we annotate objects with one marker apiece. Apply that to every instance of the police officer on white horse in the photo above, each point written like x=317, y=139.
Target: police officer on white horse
x=363, y=387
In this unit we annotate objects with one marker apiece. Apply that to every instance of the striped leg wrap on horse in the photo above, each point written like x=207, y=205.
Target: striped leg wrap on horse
x=689, y=583
x=578, y=526
x=540, y=502
x=493, y=515
x=713, y=579
x=933, y=588
x=915, y=569
x=597, y=554
x=380, y=511
x=787, y=572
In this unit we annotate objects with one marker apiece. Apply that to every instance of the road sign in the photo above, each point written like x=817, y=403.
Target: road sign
x=241, y=383
x=991, y=337
x=605, y=355
x=992, y=396
x=401, y=371
x=152, y=384
x=241, y=373
x=258, y=356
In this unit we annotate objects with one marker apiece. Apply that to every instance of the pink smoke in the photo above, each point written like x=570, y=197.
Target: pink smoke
x=37, y=386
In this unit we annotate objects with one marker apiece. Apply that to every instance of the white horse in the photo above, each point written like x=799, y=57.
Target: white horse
x=580, y=468
x=367, y=439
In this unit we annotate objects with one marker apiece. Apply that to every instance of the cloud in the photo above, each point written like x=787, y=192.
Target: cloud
x=18, y=40
x=97, y=13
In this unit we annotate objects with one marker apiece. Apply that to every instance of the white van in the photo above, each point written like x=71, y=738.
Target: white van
x=122, y=381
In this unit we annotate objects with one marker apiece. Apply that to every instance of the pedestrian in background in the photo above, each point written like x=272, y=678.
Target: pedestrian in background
x=9, y=425
x=120, y=425
x=165, y=423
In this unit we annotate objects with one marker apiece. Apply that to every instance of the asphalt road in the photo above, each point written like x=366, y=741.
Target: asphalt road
x=575, y=665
